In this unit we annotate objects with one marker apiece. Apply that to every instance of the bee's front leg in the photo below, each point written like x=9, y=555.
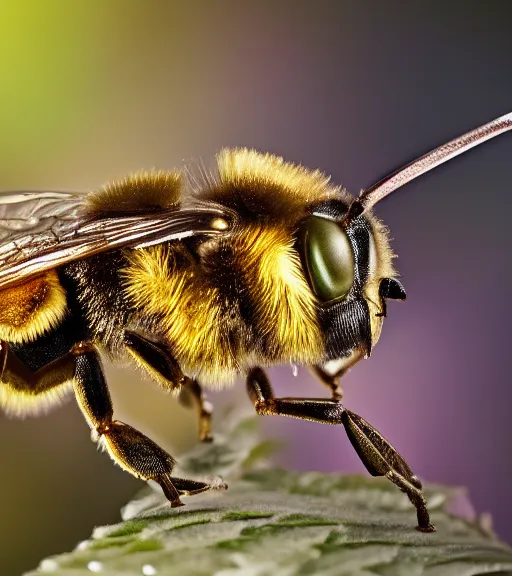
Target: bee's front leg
x=158, y=361
x=376, y=453
x=332, y=381
x=128, y=447
x=333, y=371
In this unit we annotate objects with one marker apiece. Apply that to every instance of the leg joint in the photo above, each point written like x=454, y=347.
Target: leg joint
x=265, y=407
x=103, y=428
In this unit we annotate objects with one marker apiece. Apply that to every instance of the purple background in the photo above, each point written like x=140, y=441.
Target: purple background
x=354, y=88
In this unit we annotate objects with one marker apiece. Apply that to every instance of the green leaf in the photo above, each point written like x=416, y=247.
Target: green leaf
x=274, y=522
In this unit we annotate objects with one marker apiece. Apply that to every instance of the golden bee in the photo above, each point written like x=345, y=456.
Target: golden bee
x=259, y=263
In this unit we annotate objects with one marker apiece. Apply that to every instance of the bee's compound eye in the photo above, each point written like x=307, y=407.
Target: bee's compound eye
x=219, y=224
x=328, y=258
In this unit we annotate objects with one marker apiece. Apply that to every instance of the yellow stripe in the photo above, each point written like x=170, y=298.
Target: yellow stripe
x=285, y=306
x=30, y=309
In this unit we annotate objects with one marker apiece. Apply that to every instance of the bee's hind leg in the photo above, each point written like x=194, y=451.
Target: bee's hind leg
x=376, y=453
x=158, y=360
x=129, y=448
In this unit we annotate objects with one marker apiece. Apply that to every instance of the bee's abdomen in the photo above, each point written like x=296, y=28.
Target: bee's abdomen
x=32, y=308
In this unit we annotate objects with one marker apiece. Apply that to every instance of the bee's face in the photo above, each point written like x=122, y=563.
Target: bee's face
x=347, y=267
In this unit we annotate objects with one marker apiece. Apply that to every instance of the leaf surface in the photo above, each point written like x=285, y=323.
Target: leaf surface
x=274, y=522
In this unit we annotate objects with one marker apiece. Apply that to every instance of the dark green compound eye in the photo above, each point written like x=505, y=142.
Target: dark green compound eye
x=328, y=258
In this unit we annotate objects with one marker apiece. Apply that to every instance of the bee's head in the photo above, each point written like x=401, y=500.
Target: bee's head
x=348, y=267
x=331, y=271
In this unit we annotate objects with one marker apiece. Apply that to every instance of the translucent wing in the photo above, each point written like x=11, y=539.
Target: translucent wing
x=42, y=230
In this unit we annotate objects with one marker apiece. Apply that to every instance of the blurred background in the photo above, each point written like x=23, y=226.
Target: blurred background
x=91, y=90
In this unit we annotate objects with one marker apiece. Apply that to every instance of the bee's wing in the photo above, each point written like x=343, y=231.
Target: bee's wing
x=42, y=230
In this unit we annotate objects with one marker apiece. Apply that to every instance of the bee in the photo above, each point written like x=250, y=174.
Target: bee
x=258, y=263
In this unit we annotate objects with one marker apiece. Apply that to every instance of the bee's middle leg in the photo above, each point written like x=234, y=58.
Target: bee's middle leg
x=128, y=447
x=376, y=453
x=192, y=395
x=158, y=360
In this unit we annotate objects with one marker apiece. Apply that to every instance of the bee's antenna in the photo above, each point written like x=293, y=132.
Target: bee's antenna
x=370, y=196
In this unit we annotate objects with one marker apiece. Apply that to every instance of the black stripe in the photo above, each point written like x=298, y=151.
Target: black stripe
x=95, y=292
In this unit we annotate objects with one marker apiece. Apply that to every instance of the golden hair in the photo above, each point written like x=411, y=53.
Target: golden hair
x=139, y=192
x=30, y=309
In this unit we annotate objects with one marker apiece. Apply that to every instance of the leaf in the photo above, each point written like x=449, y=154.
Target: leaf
x=274, y=522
